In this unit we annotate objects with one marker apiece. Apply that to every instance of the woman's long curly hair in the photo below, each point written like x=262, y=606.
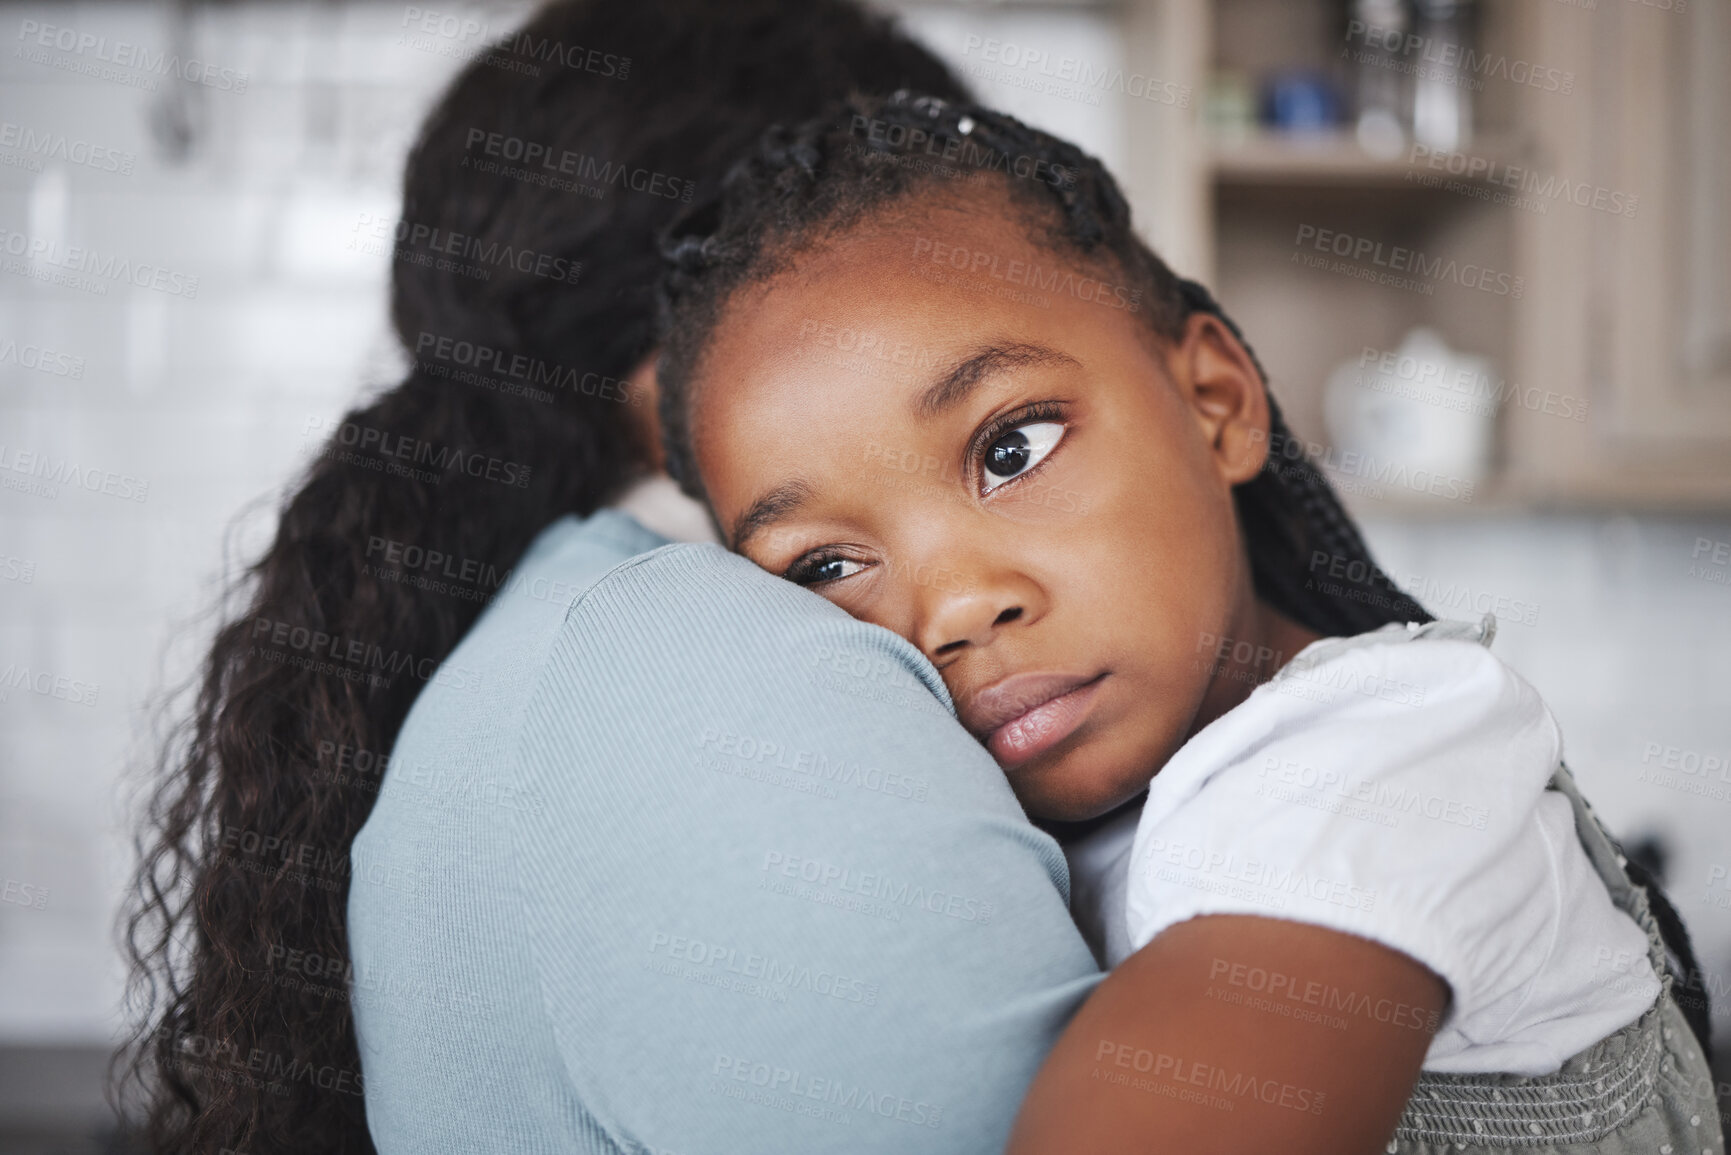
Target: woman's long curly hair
x=808, y=183
x=272, y=766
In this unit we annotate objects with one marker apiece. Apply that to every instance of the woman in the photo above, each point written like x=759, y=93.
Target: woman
x=237, y=934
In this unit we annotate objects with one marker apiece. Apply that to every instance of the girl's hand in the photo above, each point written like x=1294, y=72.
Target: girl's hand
x=1212, y=1039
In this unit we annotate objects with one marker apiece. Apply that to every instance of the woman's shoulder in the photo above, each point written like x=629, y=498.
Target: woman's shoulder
x=470, y=705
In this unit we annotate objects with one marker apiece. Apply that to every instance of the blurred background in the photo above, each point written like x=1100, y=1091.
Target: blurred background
x=1483, y=249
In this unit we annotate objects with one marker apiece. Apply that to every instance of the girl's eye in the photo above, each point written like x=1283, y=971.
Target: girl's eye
x=1020, y=450
x=823, y=569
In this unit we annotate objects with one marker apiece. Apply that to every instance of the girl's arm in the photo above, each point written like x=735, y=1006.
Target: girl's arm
x=1213, y=1038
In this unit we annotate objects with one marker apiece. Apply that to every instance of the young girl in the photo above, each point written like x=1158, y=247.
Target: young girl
x=919, y=362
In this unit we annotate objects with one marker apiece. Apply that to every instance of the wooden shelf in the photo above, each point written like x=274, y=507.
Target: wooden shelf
x=1336, y=159
x=1502, y=494
x=1620, y=309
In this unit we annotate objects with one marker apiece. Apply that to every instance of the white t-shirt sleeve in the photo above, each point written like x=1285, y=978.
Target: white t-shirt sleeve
x=1396, y=790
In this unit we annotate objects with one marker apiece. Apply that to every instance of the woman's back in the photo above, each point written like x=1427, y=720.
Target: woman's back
x=447, y=1003
x=209, y=936
x=778, y=918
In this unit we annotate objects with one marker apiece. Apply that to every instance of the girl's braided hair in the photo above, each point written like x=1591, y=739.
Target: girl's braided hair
x=807, y=183
x=812, y=182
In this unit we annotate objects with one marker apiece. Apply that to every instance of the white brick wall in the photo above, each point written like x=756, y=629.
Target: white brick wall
x=204, y=397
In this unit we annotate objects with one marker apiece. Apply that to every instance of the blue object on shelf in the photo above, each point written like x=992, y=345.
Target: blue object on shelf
x=1300, y=102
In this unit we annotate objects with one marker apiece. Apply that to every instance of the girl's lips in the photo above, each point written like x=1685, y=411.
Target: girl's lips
x=1031, y=734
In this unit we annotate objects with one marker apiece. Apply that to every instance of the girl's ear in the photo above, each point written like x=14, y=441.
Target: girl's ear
x=1226, y=394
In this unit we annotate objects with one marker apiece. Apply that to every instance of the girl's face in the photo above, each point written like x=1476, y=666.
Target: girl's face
x=954, y=433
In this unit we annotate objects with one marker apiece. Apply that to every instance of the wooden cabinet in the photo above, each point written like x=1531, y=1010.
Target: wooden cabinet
x=1636, y=308
x=1594, y=192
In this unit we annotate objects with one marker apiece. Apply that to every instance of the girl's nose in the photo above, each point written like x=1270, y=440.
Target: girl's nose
x=972, y=612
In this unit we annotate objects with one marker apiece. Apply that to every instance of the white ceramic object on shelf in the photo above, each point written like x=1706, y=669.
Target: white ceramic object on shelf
x=1423, y=406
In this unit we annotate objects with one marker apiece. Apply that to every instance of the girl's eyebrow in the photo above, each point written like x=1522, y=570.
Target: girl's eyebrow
x=952, y=387
x=778, y=503
x=959, y=381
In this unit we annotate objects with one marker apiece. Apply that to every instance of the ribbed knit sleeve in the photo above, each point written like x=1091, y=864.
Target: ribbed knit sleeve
x=775, y=897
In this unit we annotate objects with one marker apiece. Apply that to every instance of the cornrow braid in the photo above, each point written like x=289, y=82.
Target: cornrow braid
x=1293, y=523
x=814, y=181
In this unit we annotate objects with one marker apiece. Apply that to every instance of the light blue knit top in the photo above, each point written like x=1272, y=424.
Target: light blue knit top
x=676, y=857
